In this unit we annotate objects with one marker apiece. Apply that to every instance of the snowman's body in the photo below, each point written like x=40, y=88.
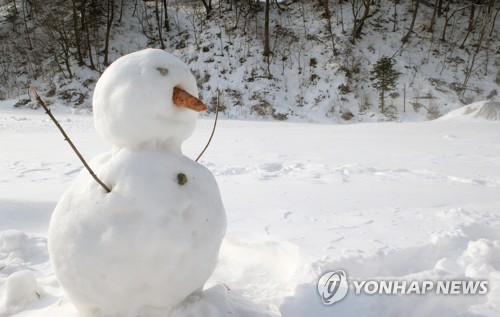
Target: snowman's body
x=154, y=240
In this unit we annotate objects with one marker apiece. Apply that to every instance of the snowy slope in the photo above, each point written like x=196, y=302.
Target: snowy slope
x=482, y=110
x=304, y=77
x=383, y=200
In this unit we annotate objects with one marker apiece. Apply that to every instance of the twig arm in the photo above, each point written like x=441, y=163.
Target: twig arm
x=213, y=129
x=66, y=138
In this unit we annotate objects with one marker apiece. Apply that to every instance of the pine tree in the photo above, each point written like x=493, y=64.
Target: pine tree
x=384, y=78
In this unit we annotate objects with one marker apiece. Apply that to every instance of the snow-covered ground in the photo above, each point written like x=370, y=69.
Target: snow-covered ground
x=411, y=201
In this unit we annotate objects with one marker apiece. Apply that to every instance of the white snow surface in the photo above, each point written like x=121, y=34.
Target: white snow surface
x=482, y=110
x=409, y=201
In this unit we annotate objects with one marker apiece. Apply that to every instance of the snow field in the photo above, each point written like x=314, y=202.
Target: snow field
x=381, y=201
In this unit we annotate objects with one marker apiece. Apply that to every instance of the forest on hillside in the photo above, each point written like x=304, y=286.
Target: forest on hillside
x=340, y=60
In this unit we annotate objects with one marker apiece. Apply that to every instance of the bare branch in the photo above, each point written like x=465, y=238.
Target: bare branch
x=215, y=125
x=66, y=137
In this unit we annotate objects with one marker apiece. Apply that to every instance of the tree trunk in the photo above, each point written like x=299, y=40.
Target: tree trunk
x=109, y=17
x=208, y=7
x=85, y=26
x=358, y=27
x=410, y=30
x=382, y=101
x=448, y=18
x=166, y=22
x=395, y=16
x=341, y=16
x=433, y=19
x=267, y=48
x=28, y=37
x=328, y=18
x=469, y=70
x=470, y=28
x=65, y=47
x=440, y=8
x=493, y=23
x=159, y=25
x=76, y=30
x=121, y=11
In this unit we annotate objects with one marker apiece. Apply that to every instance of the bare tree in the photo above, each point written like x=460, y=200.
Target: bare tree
x=159, y=24
x=359, y=23
x=472, y=24
x=433, y=19
x=76, y=31
x=166, y=21
x=110, y=14
x=59, y=39
x=267, y=49
x=448, y=17
x=478, y=47
x=24, y=6
x=208, y=7
x=395, y=15
x=328, y=18
x=85, y=27
x=412, y=24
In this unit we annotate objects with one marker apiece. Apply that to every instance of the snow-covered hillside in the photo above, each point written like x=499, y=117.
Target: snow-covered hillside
x=312, y=74
x=410, y=201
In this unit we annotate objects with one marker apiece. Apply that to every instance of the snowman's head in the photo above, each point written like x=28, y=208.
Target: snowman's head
x=135, y=105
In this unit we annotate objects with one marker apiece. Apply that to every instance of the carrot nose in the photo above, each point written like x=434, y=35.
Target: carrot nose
x=183, y=99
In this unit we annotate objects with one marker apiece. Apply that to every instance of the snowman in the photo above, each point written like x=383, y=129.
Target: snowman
x=143, y=248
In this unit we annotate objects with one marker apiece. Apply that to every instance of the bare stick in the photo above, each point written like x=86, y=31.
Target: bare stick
x=66, y=137
x=215, y=125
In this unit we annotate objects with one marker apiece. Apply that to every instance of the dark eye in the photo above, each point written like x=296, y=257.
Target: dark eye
x=163, y=71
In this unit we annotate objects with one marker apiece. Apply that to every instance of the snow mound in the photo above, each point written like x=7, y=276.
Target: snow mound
x=486, y=110
x=11, y=240
x=19, y=286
